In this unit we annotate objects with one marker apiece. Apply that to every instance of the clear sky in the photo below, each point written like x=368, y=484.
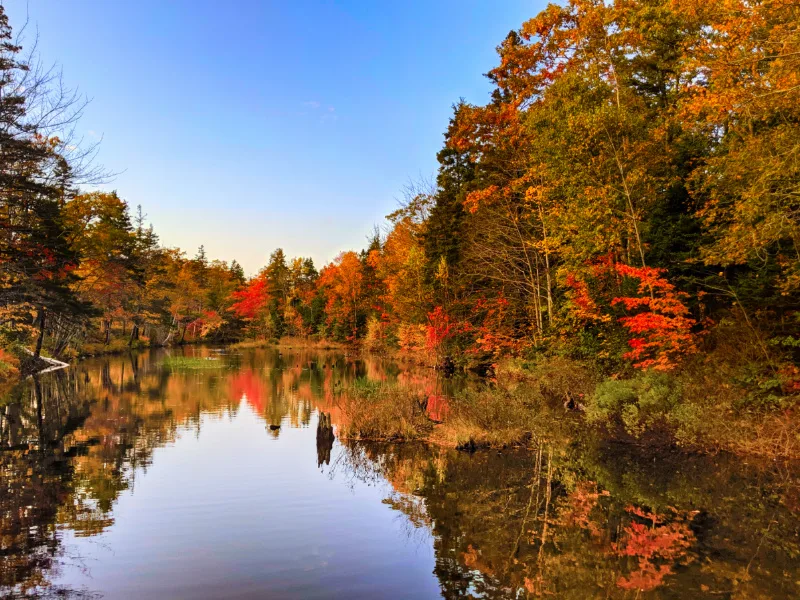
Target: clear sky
x=249, y=125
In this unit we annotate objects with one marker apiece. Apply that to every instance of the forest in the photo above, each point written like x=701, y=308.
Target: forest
x=626, y=205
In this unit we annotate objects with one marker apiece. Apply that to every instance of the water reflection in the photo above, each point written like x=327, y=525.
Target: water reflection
x=599, y=523
x=581, y=521
x=325, y=439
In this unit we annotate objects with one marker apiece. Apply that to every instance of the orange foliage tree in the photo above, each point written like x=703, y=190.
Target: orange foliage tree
x=342, y=281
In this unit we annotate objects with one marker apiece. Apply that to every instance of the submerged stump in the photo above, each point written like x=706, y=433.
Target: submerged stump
x=325, y=438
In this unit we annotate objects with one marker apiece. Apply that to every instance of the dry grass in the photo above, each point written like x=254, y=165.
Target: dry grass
x=310, y=342
x=501, y=416
x=115, y=346
x=772, y=436
x=553, y=378
x=492, y=417
x=718, y=409
x=290, y=343
x=375, y=411
x=728, y=386
x=253, y=344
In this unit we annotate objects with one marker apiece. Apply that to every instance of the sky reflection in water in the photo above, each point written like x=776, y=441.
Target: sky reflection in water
x=123, y=478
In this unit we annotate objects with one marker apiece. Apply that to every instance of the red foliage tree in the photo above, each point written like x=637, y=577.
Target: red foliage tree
x=439, y=330
x=252, y=304
x=661, y=327
x=251, y=301
x=656, y=318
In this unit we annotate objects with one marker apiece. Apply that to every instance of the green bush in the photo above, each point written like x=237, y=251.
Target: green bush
x=763, y=390
x=647, y=401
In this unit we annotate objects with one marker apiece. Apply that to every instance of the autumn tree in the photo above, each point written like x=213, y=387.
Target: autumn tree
x=36, y=179
x=101, y=232
x=343, y=285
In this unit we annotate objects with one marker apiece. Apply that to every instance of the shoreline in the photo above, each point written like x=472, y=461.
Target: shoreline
x=518, y=404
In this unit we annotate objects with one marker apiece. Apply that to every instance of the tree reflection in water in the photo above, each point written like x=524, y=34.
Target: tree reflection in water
x=583, y=520
x=39, y=489
x=594, y=523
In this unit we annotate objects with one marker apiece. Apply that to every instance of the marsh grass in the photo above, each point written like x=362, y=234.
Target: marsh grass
x=489, y=417
x=192, y=362
x=290, y=343
x=382, y=412
x=249, y=344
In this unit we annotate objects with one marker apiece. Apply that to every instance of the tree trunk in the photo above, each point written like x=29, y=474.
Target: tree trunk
x=40, y=338
x=37, y=392
x=547, y=268
x=134, y=334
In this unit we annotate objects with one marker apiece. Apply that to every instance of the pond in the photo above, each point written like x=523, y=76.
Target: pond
x=204, y=475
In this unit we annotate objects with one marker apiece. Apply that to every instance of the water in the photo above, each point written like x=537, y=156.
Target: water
x=126, y=478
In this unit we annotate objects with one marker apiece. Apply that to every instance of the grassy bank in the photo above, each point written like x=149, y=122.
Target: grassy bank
x=489, y=418
x=114, y=346
x=179, y=363
x=291, y=343
x=701, y=408
x=507, y=412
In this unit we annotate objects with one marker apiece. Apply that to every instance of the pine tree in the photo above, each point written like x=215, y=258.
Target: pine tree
x=442, y=237
x=36, y=263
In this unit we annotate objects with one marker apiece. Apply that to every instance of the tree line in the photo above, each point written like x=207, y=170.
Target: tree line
x=629, y=194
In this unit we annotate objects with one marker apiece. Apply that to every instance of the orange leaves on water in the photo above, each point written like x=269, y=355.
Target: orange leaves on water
x=580, y=506
x=438, y=407
x=247, y=385
x=649, y=545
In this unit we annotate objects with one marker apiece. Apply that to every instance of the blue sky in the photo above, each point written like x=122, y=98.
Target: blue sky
x=249, y=125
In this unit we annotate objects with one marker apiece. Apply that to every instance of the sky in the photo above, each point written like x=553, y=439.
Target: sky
x=251, y=125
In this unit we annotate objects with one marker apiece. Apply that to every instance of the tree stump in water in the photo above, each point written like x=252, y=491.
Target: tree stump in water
x=325, y=439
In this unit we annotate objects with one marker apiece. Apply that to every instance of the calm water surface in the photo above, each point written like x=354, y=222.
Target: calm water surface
x=126, y=478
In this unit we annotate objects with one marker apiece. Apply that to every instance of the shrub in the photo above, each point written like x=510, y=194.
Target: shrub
x=648, y=401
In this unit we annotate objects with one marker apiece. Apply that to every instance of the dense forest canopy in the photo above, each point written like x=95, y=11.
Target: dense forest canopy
x=629, y=196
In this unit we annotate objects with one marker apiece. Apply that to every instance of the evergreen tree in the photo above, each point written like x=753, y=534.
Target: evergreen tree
x=237, y=272
x=442, y=238
x=36, y=263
